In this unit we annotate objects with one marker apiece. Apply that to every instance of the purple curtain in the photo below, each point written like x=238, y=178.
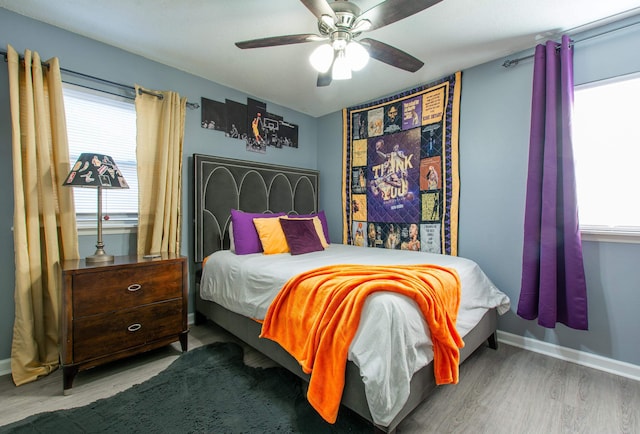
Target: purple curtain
x=553, y=283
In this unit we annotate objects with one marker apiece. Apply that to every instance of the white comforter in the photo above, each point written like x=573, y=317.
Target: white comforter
x=392, y=342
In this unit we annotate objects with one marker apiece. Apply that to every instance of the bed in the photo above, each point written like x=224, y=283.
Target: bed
x=234, y=290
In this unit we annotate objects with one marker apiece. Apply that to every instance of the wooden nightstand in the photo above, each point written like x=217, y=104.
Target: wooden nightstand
x=118, y=309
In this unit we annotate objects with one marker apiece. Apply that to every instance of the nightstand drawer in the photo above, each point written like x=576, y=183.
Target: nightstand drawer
x=106, y=291
x=99, y=335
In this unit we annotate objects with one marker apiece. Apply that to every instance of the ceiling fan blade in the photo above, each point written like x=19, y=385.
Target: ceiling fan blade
x=391, y=11
x=324, y=78
x=391, y=55
x=279, y=40
x=319, y=8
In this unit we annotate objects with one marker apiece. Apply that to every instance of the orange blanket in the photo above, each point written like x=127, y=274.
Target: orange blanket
x=316, y=314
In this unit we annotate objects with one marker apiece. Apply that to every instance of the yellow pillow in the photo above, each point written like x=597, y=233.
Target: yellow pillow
x=271, y=235
x=317, y=224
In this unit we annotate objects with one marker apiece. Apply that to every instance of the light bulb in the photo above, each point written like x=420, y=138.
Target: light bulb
x=341, y=69
x=357, y=56
x=321, y=58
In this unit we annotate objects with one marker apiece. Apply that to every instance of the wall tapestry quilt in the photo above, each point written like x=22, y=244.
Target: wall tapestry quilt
x=400, y=184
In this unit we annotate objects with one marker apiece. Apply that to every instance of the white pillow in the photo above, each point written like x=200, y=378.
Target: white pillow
x=232, y=245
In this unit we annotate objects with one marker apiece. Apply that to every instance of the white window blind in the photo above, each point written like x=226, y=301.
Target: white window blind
x=607, y=153
x=105, y=124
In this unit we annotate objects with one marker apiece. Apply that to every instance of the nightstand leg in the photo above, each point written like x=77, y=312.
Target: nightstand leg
x=183, y=341
x=68, y=374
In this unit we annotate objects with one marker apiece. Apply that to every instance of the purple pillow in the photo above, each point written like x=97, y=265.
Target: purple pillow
x=301, y=236
x=323, y=220
x=245, y=235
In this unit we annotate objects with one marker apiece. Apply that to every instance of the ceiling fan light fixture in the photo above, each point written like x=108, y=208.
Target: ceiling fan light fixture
x=322, y=57
x=341, y=69
x=357, y=56
x=328, y=21
x=361, y=26
x=339, y=43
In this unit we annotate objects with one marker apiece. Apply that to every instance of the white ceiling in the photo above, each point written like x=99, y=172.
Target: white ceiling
x=197, y=36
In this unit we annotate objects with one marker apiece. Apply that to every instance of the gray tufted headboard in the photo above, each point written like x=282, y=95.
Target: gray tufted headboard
x=222, y=184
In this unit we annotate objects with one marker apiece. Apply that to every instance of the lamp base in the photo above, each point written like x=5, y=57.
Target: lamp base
x=99, y=257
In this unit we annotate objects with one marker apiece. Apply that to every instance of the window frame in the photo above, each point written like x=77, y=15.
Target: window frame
x=604, y=233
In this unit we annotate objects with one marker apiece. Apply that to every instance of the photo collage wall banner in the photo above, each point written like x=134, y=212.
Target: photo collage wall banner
x=400, y=175
x=250, y=122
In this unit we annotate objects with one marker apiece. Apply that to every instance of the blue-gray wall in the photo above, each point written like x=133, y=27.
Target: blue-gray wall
x=494, y=139
x=80, y=54
x=494, y=133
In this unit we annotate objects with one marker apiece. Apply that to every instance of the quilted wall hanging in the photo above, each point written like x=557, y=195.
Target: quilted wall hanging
x=400, y=184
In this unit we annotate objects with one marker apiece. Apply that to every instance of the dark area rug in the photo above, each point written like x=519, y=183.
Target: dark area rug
x=206, y=390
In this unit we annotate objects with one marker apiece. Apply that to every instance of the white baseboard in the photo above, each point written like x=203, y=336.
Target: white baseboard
x=5, y=365
x=590, y=360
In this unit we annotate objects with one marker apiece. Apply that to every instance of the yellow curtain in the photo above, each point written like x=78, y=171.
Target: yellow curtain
x=44, y=225
x=160, y=134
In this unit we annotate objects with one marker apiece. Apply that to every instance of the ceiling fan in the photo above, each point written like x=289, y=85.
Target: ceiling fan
x=340, y=23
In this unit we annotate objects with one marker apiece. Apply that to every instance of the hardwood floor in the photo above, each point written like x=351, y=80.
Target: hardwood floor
x=505, y=391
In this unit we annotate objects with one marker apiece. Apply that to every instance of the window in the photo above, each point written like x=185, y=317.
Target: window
x=103, y=123
x=606, y=141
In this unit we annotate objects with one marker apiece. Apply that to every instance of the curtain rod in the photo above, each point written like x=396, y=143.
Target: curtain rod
x=513, y=62
x=191, y=105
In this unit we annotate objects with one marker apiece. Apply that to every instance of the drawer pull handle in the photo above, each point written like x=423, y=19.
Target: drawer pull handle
x=134, y=287
x=134, y=327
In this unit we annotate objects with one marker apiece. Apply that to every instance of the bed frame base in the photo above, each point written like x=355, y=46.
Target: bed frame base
x=354, y=397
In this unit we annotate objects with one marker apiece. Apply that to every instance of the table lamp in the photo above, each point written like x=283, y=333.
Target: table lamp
x=96, y=171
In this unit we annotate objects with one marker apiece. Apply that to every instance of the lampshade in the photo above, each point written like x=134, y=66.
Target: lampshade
x=97, y=171
x=357, y=56
x=322, y=58
x=341, y=69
